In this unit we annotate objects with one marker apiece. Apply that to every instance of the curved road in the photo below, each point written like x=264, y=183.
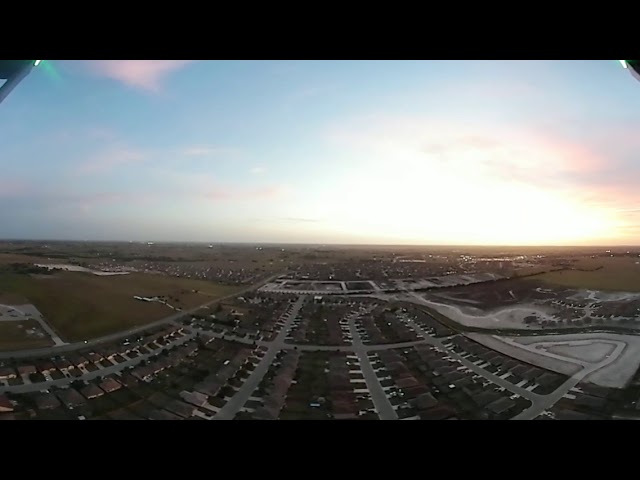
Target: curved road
x=69, y=347
x=540, y=403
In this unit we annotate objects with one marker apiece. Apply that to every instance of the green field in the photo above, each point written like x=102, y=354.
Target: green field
x=81, y=305
x=619, y=274
x=13, y=336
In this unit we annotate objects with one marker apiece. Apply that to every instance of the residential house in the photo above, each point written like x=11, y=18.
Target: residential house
x=77, y=360
x=424, y=401
x=71, y=398
x=45, y=367
x=123, y=414
x=180, y=408
x=27, y=369
x=501, y=405
x=162, y=415
x=7, y=373
x=91, y=391
x=63, y=363
x=439, y=412
x=109, y=385
x=266, y=413
x=159, y=399
x=46, y=401
x=485, y=398
x=195, y=398
x=209, y=386
x=5, y=404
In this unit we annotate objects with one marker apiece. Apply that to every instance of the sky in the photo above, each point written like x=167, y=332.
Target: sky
x=367, y=152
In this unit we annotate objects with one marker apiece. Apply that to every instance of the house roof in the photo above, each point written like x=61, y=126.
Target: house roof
x=71, y=398
x=26, y=369
x=5, y=404
x=129, y=380
x=407, y=382
x=7, y=371
x=590, y=401
x=265, y=413
x=159, y=399
x=62, y=363
x=501, y=405
x=123, y=414
x=439, y=412
x=109, y=385
x=519, y=370
x=195, y=398
x=180, y=408
x=162, y=415
x=91, y=391
x=46, y=401
x=572, y=415
x=547, y=378
x=210, y=386
x=424, y=401
x=485, y=398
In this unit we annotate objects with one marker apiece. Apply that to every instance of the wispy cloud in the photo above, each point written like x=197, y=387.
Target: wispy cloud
x=14, y=188
x=301, y=220
x=257, y=170
x=144, y=74
x=111, y=159
x=210, y=151
x=237, y=193
x=207, y=187
x=497, y=151
x=87, y=202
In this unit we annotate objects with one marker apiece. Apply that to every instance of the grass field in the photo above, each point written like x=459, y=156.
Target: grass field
x=13, y=336
x=19, y=258
x=81, y=306
x=12, y=298
x=620, y=274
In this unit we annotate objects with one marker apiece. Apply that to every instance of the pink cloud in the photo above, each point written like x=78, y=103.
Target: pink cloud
x=239, y=193
x=14, y=188
x=144, y=74
x=498, y=150
x=111, y=159
x=210, y=151
x=90, y=201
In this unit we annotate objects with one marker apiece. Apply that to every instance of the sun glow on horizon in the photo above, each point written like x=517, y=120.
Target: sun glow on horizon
x=469, y=191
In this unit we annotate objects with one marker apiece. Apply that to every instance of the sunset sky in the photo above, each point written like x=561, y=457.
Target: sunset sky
x=393, y=152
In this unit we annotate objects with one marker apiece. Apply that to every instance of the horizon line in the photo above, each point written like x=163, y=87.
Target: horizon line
x=313, y=243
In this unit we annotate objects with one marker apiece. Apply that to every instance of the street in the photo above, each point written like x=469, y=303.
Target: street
x=70, y=347
x=237, y=401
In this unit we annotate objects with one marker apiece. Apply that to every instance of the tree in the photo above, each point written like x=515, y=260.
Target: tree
x=77, y=384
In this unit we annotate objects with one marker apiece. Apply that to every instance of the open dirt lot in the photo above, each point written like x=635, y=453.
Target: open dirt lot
x=593, y=352
x=82, y=305
x=614, y=375
x=23, y=335
x=509, y=317
x=527, y=304
x=499, y=345
x=6, y=258
x=620, y=274
x=502, y=293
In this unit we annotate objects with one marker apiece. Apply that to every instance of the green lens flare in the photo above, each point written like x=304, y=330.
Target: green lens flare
x=36, y=63
x=50, y=70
